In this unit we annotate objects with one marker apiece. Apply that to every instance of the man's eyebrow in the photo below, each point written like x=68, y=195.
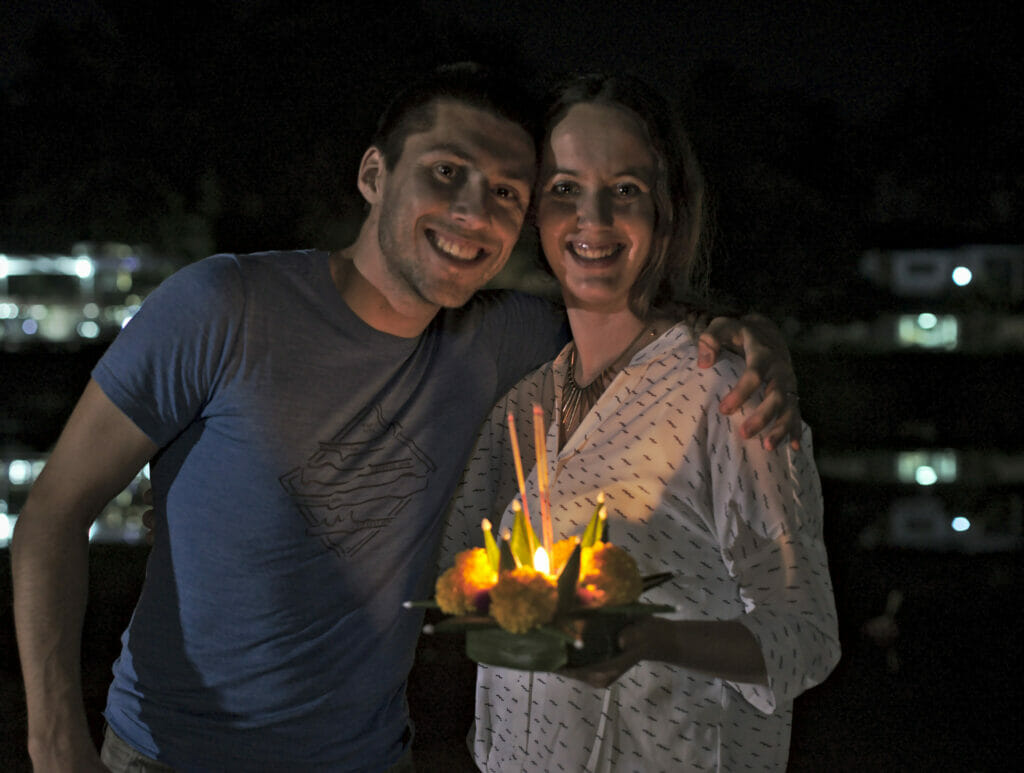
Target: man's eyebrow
x=524, y=175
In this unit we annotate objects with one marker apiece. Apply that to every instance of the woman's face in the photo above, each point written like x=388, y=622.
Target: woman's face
x=595, y=207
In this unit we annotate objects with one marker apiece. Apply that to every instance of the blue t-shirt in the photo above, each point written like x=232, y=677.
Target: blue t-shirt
x=305, y=463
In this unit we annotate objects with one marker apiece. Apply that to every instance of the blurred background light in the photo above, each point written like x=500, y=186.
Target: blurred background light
x=962, y=276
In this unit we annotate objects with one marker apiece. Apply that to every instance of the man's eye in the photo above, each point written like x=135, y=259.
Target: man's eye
x=504, y=192
x=445, y=170
x=564, y=188
x=625, y=190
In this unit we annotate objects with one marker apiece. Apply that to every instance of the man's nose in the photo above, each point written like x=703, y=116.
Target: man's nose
x=469, y=206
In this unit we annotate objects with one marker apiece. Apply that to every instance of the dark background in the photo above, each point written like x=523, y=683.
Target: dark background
x=824, y=130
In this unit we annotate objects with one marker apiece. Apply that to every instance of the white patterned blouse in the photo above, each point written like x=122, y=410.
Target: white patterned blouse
x=740, y=528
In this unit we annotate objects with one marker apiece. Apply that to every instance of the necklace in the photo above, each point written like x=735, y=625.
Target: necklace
x=578, y=400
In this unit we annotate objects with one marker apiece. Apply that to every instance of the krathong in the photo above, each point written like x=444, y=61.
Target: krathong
x=541, y=607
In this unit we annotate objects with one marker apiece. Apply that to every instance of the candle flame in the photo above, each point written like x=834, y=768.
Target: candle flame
x=541, y=562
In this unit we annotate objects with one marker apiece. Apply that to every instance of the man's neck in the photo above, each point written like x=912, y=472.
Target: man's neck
x=372, y=294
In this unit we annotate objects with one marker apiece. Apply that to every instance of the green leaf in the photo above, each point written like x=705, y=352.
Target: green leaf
x=636, y=610
x=506, y=561
x=524, y=539
x=654, y=580
x=537, y=650
x=464, y=623
x=594, y=527
x=567, y=581
x=420, y=604
x=493, y=554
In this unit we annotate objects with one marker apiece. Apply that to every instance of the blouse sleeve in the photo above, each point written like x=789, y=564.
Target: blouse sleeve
x=768, y=512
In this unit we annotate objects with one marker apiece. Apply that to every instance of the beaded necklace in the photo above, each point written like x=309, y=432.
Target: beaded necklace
x=578, y=400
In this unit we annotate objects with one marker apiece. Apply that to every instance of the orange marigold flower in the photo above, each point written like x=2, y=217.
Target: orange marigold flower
x=608, y=575
x=462, y=589
x=523, y=599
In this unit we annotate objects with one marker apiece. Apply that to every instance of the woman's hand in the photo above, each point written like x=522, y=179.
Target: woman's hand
x=760, y=342
x=721, y=648
x=641, y=640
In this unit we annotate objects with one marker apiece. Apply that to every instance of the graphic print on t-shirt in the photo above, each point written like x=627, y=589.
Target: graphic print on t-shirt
x=355, y=484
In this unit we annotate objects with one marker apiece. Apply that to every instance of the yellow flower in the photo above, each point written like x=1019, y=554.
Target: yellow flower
x=523, y=599
x=462, y=589
x=608, y=575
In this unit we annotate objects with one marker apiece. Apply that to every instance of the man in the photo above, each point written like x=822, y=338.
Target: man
x=307, y=416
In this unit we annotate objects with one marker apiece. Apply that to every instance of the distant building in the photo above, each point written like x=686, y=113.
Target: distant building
x=71, y=299
x=995, y=270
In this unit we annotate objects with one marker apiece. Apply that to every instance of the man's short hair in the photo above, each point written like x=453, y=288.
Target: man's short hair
x=413, y=109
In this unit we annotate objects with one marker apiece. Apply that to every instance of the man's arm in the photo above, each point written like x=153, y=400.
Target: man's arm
x=761, y=344
x=96, y=456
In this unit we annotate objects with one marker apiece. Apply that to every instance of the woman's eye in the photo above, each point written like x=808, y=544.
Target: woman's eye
x=504, y=192
x=625, y=190
x=445, y=170
x=563, y=188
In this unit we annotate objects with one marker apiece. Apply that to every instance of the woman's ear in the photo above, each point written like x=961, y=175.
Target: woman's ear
x=371, y=174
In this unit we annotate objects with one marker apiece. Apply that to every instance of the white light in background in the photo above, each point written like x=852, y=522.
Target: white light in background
x=19, y=472
x=960, y=523
x=928, y=330
x=84, y=267
x=925, y=476
x=962, y=276
x=88, y=329
x=6, y=529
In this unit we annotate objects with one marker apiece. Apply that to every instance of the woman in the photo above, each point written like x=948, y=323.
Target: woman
x=739, y=526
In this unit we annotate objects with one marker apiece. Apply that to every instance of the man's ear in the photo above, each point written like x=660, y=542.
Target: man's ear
x=371, y=174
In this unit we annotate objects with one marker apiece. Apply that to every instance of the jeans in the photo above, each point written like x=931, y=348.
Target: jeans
x=122, y=758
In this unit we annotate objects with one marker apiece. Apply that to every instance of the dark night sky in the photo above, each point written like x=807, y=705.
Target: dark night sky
x=859, y=54
x=823, y=128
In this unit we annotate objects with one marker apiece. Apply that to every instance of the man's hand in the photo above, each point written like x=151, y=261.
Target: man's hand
x=760, y=342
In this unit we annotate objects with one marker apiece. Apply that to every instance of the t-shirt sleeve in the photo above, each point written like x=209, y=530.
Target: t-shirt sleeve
x=530, y=333
x=163, y=366
x=768, y=513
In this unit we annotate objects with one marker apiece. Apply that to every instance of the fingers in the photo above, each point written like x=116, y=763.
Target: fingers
x=601, y=674
x=721, y=332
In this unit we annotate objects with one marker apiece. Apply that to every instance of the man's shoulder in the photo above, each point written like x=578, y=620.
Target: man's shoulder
x=496, y=302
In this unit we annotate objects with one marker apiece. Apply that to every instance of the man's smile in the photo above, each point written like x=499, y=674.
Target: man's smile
x=454, y=247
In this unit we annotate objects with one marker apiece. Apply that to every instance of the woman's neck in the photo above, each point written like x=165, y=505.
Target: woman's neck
x=601, y=338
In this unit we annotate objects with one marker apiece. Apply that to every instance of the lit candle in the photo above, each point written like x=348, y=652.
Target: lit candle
x=519, y=464
x=541, y=562
x=540, y=438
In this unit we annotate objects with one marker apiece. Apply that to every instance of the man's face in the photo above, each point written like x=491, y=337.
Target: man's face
x=451, y=209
